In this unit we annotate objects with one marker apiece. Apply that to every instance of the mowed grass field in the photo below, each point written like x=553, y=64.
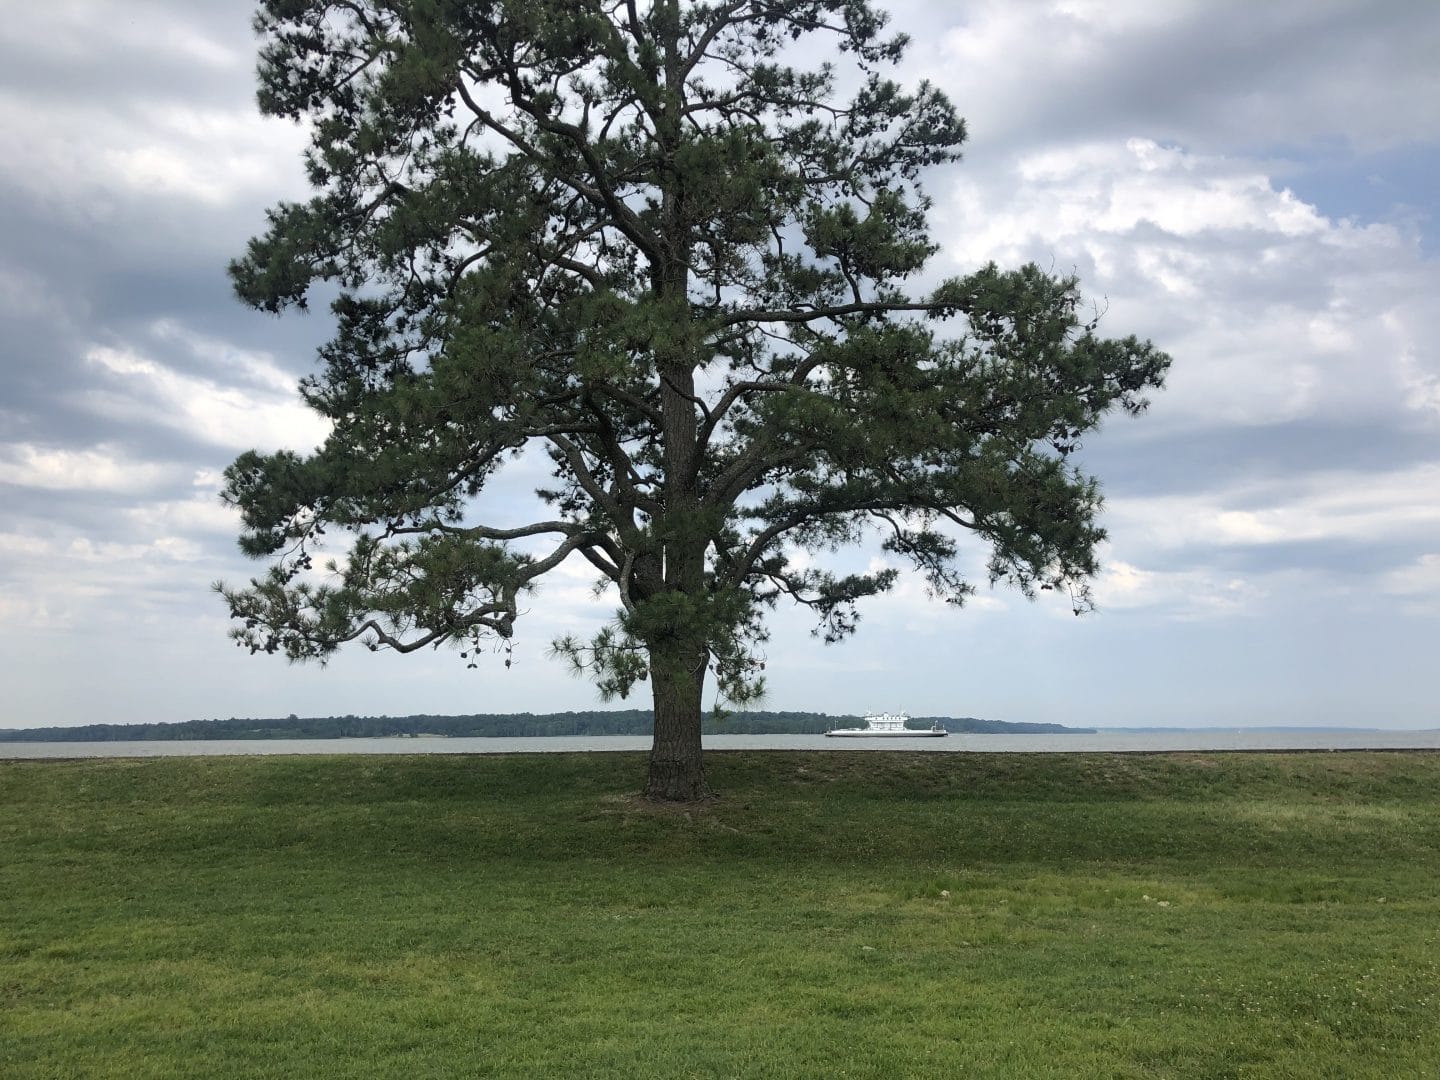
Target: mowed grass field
x=847, y=914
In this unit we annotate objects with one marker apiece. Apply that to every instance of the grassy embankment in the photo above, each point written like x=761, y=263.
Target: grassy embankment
x=1187, y=916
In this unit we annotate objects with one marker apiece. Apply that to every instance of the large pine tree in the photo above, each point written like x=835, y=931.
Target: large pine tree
x=643, y=239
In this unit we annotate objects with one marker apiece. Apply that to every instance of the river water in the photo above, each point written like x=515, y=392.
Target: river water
x=1104, y=741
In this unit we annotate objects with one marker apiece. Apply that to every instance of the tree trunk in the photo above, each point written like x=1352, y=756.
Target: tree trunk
x=677, y=771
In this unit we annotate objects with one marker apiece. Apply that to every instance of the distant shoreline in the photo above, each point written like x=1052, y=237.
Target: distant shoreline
x=495, y=726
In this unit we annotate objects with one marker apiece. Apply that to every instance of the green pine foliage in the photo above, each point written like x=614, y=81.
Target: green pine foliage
x=641, y=240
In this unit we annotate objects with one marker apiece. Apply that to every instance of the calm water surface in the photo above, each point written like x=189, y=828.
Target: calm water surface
x=1116, y=741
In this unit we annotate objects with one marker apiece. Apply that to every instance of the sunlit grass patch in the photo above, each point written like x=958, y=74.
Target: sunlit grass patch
x=872, y=915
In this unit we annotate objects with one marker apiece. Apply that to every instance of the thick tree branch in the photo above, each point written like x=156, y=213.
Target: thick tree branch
x=813, y=314
x=620, y=516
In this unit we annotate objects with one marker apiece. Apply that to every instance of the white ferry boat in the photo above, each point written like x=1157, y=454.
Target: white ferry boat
x=887, y=726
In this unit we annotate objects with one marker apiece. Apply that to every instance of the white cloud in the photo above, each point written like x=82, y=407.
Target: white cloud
x=1219, y=72
x=1392, y=507
x=90, y=32
x=100, y=468
x=256, y=407
x=86, y=162
x=200, y=516
x=1187, y=594
x=60, y=579
x=26, y=295
x=1272, y=311
x=1112, y=17
x=14, y=545
x=83, y=549
x=1421, y=382
x=1417, y=585
x=1107, y=190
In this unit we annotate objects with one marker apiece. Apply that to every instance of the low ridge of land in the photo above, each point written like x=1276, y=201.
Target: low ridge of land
x=503, y=725
x=862, y=915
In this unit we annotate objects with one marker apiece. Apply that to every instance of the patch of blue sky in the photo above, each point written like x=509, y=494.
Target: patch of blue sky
x=1398, y=185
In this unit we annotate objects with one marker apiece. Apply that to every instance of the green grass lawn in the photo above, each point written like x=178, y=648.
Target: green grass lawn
x=860, y=914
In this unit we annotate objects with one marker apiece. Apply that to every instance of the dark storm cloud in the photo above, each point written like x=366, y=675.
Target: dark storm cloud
x=118, y=223
x=89, y=286
x=1364, y=559
x=102, y=57
x=1137, y=460
x=1215, y=75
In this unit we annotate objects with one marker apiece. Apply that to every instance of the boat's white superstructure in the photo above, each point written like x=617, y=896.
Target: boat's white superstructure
x=887, y=725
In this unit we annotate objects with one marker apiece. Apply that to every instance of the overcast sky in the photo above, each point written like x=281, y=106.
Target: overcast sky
x=1251, y=185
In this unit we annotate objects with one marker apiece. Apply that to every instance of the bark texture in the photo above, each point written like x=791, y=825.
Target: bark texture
x=677, y=767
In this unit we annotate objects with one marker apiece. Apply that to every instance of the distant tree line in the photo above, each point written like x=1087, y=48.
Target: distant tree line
x=494, y=725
